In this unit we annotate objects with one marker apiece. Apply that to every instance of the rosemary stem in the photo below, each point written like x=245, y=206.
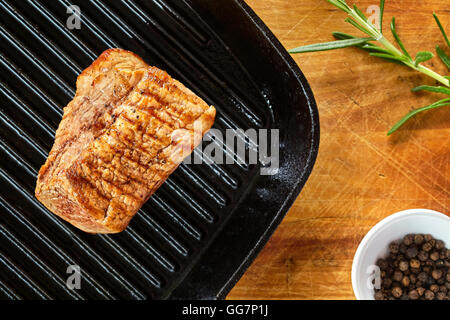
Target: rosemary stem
x=388, y=45
x=432, y=74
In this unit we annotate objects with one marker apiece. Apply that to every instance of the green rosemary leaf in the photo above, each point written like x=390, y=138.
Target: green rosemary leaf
x=381, y=15
x=366, y=46
x=397, y=39
x=342, y=36
x=444, y=57
x=439, y=104
x=442, y=28
x=422, y=56
x=374, y=48
x=330, y=45
x=386, y=56
x=438, y=89
x=358, y=26
x=359, y=13
x=341, y=4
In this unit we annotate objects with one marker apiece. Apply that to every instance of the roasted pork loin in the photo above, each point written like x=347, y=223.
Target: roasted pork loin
x=127, y=129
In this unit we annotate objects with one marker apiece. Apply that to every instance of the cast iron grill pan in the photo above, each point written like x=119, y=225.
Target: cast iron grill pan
x=198, y=233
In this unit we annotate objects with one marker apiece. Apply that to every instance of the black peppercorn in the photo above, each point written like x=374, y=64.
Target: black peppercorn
x=423, y=277
x=403, y=265
x=386, y=283
x=418, y=239
x=439, y=244
x=382, y=264
x=434, y=255
x=411, y=252
x=429, y=295
x=414, y=263
x=422, y=255
x=427, y=246
x=394, y=247
x=436, y=274
x=379, y=295
x=398, y=276
x=420, y=291
x=405, y=281
x=408, y=239
x=413, y=295
x=389, y=271
x=402, y=248
x=441, y=296
x=415, y=270
x=434, y=288
x=397, y=292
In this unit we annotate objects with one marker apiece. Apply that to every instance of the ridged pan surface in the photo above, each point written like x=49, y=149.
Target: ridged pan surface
x=199, y=232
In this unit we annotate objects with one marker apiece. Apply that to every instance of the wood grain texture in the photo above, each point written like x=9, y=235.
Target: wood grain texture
x=361, y=175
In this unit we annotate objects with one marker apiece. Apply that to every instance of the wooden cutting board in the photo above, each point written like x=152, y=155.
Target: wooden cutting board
x=361, y=175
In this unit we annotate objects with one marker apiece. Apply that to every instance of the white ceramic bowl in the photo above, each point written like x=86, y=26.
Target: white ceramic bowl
x=394, y=227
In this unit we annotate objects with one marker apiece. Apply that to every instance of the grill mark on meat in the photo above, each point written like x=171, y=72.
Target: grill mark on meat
x=174, y=109
x=146, y=166
x=156, y=78
x=100, y=189
x=123, y=176
x=95, y=181
x=170, y=108
x=121, y=169
x=152, y=113
x=171, y=88
x=67, y=143
x=156, y=112
x=79, y=183
x=131, y=176
x=129, y=143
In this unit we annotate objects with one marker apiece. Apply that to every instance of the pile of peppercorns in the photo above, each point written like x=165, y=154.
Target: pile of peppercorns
x=417, y=268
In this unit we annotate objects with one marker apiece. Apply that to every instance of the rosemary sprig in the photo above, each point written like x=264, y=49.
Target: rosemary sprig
x=379, y=46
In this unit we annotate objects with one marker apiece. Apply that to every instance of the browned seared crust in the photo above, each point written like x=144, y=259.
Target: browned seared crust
x=127, y=129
